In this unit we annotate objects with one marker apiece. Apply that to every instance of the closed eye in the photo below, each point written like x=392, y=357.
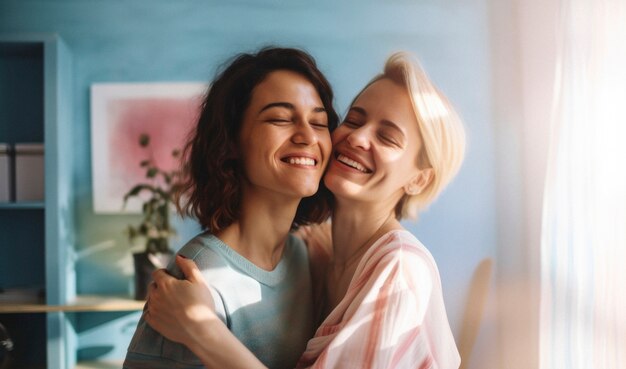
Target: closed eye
x=278, y=121
x=389, y=140
x=319, y=125
x=351, y=123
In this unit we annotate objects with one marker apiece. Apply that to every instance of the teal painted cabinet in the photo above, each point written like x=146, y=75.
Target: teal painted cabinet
x=37, y=245
x=36, y=236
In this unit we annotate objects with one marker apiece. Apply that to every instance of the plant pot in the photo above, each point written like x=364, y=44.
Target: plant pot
x=145, y=263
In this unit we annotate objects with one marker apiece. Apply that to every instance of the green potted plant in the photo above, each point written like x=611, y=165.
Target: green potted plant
x=155, y=228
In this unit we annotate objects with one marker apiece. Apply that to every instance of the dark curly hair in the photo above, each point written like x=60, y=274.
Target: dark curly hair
x=210, y=189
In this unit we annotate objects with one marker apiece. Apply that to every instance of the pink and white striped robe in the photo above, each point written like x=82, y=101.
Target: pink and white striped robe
x=393, y=314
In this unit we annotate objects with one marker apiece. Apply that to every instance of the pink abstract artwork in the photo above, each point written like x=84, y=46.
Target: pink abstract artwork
x=120, y=114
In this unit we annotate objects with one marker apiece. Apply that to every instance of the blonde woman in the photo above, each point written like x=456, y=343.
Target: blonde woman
x=381, y=302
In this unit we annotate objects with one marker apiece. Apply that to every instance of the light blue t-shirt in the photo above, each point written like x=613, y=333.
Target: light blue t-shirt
x=270, y=312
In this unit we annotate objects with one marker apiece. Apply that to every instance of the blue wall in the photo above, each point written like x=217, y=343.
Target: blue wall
x=114, y=41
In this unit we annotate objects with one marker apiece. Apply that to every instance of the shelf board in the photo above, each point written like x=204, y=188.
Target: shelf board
x=82, y=303
x=22, y=205
x=99, y=365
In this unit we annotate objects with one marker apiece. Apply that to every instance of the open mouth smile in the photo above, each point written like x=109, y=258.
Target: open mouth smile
x=300, y=160
x=353, y=163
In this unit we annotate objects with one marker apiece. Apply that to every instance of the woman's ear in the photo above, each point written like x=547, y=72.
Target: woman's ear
x=417, y=184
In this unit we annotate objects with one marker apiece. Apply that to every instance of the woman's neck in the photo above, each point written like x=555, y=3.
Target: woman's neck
x=262, y=228
x=356, y=226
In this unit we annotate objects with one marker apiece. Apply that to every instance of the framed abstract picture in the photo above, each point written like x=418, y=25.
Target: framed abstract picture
x=120, y=114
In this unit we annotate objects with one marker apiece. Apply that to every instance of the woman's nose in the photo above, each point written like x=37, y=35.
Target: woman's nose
x=359, y=138
x=304, y=134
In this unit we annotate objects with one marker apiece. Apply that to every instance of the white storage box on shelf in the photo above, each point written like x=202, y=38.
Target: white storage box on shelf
x=29, y=172
x=5, y=173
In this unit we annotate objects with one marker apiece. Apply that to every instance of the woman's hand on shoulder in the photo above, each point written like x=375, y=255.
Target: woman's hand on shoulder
x=181, y=310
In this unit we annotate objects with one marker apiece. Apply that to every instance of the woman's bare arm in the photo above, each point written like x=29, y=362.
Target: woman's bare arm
x=183, y=311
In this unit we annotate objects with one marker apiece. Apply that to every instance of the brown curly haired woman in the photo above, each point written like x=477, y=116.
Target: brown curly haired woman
x=253, y=168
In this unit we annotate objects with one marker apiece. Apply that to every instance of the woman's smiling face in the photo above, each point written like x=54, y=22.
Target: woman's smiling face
x=284, y=140
x=375, y=149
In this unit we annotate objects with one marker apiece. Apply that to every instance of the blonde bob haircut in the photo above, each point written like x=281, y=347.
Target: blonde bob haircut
x=440, y=128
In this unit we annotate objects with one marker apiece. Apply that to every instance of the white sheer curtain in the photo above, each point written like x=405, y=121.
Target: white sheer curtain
x=583, y=255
